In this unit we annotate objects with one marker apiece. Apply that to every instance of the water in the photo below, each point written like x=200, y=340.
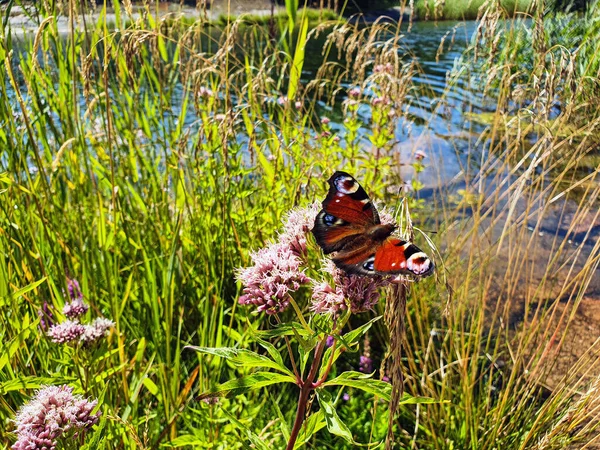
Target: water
x=442, y=131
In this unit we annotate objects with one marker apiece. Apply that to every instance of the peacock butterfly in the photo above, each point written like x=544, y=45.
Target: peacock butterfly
x=349, y=225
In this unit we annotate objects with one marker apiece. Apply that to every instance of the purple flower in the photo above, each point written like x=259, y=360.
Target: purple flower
x=327, y=300
x=380, y=101
x=75, y=308
x=276, y=269
x=275, y=273
x=46, y=317
x=97, y=329
x=205, y=92
x=420, y=155
x=354, y=92
x=330, y=340
x=74, y=289
x=380, y=68
x=365, y=364
x=325, y=120
x=283, y=100
x=362, y=293
x=53, y=412
x=298, y=224
x=211, y=400
x=65, y=332
x=346, y=396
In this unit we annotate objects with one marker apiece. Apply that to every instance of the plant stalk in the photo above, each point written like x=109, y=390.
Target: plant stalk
x=305, y=389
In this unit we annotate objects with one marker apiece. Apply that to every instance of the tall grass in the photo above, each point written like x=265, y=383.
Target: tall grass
x=148, y=160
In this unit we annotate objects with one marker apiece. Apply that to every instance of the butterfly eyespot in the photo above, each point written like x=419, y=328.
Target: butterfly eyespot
x=346, y=185
x=369, y=264
x=329, y=220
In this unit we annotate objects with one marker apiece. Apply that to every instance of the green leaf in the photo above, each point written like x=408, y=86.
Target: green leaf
x=268, y=170
x=243, y=358
x=347, y=340
x=382, y=389
x=26, y=289
x=363, y=382
x=298, y=62
x=20, y=383
x=98, y=434
x=252, y=437
x=334, y=423
x=285, y=329
x=283, y=425
x=313, y=424
x=187, y=440
x=248, y=383
x=275, y=355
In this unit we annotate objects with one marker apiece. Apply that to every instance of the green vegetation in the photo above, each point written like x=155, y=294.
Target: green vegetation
x=467, y=9
x=148, y=162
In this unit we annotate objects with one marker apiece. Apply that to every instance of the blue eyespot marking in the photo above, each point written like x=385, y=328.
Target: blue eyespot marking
x=369, y=265
x=329, y=220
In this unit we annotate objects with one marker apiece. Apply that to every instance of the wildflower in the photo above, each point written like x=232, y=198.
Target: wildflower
x=298, y=105
x=205, y=92
x=75, y=308
x=336, y=139
x=65, y=332
x=97, y=329
x=420, y=155
x=220, y=117
x=283, y=100
x=74, y=289
x=380, y=101
x=46, y=317
x=298, y=224
x=380, y=68
x=53, y=412
x=362, y=293
x=325, y=120
x=327, y=300
x=325, y=134
x=354, y=93
x=346, y=397
x=275, y=273
x=365, y=364
x=330, y=340
x=211, y=400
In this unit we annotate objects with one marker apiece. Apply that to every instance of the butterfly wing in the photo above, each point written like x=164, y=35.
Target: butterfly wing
x=347, y=213
x=396, y=256
x=390, y=257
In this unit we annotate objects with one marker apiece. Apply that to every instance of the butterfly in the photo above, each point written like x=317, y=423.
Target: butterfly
x=349, y=225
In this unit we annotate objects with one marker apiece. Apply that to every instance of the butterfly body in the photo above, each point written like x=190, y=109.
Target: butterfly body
x=349, y=225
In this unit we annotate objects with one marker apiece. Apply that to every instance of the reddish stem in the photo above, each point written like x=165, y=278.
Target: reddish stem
x=305, y=388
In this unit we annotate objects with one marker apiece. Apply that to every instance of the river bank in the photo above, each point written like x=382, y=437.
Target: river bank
x=20, y=18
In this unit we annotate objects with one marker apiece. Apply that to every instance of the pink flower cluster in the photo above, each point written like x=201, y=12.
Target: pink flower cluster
x=71, y=330
x=276, y=269
x=51, y=414
x=76, y=307
x=359, y=292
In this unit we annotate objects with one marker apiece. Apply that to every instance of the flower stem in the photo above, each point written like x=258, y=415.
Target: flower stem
x=300, y=315
x=305, y=389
